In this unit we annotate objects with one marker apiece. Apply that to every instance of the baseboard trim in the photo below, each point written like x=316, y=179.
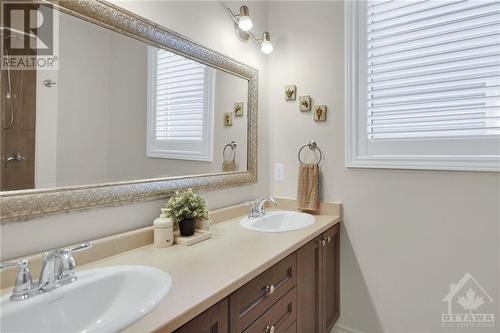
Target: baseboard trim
x=339, y=328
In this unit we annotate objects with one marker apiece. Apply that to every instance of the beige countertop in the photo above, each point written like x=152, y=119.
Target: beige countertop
x=204, y=273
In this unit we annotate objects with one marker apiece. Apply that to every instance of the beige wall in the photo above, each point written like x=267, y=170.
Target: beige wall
x=83, y=103
x=230, y=89
x=213, y=28
x=407, y=234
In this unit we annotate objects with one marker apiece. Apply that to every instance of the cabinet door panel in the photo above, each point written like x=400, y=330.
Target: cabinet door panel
x=292, y=328
x=309, y=281
x=331, y=277
x=213, y=320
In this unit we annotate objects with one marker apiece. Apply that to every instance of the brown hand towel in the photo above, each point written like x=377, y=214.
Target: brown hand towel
x=308, y=190
x=228, y=166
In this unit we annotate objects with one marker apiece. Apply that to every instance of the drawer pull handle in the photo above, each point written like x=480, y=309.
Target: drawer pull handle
x=270, y=329
x=329, y=239
x=322, y=242
x=269, y=290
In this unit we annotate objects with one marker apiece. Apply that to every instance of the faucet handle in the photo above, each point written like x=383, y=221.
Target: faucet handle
x=9, y=265
x=68, y=262
x=253, y=209
x=251, y=203
x=65, y=250
x=24, y=287
x=82, y=246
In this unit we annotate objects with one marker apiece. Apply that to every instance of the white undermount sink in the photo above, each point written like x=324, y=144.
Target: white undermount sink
x=278, y=221
x=100, y=300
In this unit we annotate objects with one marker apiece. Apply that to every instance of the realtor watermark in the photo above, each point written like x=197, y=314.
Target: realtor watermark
x=29, y=36
x=466, y=300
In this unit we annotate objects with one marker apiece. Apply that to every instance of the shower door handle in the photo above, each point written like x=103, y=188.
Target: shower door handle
x=16, y=157
x=49, y=83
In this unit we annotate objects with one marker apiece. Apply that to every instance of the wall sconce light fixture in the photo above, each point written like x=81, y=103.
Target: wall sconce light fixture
x=242, y=25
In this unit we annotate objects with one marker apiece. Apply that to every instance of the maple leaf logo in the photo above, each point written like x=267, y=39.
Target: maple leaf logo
x=470, y=301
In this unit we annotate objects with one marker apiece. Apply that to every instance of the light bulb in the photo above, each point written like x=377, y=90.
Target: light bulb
x=245, y=22
x=266, y=46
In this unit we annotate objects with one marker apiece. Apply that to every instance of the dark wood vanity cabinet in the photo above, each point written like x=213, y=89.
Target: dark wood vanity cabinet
x=300, y=294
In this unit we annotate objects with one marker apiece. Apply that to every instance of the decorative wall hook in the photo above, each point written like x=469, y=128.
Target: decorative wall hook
x=290, y=92
x=319, y=112
x=305, y=103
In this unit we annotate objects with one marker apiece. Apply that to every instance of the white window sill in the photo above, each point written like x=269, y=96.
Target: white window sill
x=451, y=163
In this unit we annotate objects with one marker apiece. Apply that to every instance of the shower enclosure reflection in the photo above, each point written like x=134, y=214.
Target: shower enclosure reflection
x=18, y=118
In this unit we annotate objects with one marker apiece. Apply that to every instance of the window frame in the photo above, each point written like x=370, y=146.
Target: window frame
x=356, y=140
x=202, y=152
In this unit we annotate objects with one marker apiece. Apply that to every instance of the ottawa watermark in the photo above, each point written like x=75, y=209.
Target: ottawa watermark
x=29, y=36
x=465, y=300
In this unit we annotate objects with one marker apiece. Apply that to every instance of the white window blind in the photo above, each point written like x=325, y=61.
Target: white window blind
x=180, y=97
x=180, y=110
x=433, y=69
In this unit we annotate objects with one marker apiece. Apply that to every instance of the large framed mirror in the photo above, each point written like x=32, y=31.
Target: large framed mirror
x=133, y=112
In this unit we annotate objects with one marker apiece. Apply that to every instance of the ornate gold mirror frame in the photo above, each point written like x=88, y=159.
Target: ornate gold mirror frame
x=26, y=204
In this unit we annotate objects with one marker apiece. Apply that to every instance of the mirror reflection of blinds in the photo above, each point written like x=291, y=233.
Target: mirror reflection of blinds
x=180, y=98
x=433, y=69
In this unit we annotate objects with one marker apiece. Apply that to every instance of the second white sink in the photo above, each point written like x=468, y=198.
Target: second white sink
x=278, y=221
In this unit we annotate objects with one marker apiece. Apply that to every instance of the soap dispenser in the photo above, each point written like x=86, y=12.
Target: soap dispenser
x=163, y=230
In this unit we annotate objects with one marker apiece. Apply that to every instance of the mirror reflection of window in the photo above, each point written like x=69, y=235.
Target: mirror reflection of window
x=180, y=107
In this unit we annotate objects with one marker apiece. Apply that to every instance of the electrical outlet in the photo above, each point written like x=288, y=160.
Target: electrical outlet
x=279, y=172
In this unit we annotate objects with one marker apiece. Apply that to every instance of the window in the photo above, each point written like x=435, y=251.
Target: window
x=423, y=84
x=180, y=109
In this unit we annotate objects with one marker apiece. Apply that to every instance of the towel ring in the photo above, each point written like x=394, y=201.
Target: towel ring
x=313, y=146
x=231, y=145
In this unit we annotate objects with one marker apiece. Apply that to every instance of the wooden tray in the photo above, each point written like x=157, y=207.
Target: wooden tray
x=199, y=236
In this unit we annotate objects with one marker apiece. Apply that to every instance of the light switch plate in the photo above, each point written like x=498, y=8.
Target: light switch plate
x=279, y=172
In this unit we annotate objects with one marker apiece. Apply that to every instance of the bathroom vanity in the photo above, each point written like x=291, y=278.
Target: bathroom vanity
x=298, y=294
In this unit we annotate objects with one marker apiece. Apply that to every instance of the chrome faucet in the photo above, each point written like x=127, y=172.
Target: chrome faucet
x=261, y=208
x=257, y=207
x=58, y=269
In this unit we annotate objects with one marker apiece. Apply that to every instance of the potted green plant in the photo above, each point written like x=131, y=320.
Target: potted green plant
x=186, y=208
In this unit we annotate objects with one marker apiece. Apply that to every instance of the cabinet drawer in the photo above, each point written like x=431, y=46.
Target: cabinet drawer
x=280, y=318
x=253, y=299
